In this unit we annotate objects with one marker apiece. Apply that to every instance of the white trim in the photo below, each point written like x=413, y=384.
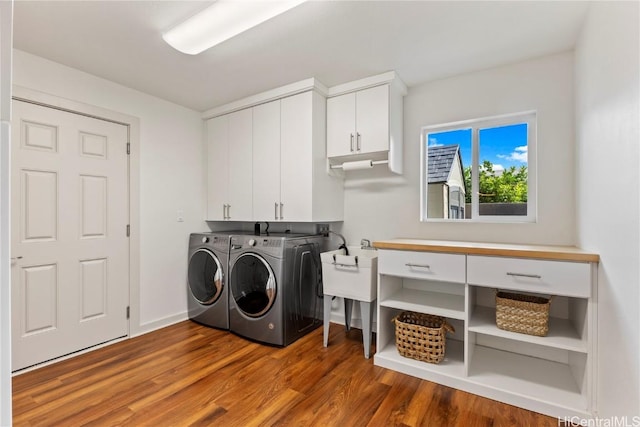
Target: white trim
x=160, y=323
x=390, y=78
x=264, y=97
x=5, y=273
x=133, y=124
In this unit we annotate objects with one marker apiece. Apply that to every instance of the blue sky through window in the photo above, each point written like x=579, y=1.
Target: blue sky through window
x=504, y=146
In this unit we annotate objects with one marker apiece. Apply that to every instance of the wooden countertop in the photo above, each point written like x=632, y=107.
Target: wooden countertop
x=562, y=253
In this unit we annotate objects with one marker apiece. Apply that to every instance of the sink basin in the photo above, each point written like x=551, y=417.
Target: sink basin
x=352, y=276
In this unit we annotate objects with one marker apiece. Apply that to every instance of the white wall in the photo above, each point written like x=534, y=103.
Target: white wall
x=608, y=196
x=171, y=178
x=6, y=13
x=379, y=205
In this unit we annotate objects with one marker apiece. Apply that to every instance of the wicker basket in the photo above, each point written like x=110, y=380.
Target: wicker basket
x=421, y=336
x=524, y=314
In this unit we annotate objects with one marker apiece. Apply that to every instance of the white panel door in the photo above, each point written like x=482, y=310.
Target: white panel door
x=240, y=166
x=296, y=187
x=266, y=161
x=341, y=125
x=372, y=119
x=70, y=210
x=218, y=167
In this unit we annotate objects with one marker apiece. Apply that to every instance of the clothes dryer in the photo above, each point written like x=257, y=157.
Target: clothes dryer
x=275, y=285
x=208, y=295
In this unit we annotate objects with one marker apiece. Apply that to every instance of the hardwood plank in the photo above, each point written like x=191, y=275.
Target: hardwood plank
x=188, y=374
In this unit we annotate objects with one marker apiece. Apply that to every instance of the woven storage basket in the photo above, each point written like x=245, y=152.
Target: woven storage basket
x=524, y=314
x=421, y=336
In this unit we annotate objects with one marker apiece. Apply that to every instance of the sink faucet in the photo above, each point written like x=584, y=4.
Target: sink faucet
x=366, y=244
x=344, y=242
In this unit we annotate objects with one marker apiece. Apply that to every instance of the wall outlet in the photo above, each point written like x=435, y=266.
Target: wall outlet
x=180, y=215
x=322, y=229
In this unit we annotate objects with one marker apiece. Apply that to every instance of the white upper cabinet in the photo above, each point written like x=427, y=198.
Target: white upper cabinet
x=358, y=122
x=290, y=176
x=230, y=158
x=308, y=192
x=364, y=122
x=266, y=163
x=240, y=166
x=218, y=167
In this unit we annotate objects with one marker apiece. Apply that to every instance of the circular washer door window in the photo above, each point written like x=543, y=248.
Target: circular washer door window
x=253, y=285
x=205, y=276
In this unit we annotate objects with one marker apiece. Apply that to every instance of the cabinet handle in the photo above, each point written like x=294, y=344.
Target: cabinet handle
x=228, y=212
x=351, y=142
x=275, y=211
x=224, y=211
x=418, y=265
x=532, y=276
x=281, y=210
x=358, y=141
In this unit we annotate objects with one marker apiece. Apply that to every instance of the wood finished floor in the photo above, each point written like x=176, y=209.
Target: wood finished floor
x=187, y=374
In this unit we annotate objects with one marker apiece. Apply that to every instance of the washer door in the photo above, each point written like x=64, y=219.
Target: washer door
x=253, y=285
x=205, y=276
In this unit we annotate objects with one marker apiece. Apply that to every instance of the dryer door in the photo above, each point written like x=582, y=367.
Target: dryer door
x=205, y=276
x=253, y=285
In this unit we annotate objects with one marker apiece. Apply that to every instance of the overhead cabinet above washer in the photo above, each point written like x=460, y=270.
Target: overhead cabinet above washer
x=267, y=159
x=229, y=140
x=290, y=181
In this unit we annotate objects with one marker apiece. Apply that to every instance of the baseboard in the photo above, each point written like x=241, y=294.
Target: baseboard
x=145, y=328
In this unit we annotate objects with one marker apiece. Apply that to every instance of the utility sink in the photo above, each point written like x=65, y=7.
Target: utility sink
x=352, y=276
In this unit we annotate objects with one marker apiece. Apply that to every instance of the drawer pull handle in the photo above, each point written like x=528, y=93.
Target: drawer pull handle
x=410, y=265
x=532, y=276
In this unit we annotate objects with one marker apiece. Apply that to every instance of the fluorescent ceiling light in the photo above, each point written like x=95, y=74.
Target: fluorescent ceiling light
x=221, y=21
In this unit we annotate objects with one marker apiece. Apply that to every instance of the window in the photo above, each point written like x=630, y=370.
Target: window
x=480, y=170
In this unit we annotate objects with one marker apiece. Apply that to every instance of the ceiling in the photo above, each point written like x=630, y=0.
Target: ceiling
x=334, y=41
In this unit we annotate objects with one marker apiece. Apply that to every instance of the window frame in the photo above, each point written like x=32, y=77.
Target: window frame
x=528, y=117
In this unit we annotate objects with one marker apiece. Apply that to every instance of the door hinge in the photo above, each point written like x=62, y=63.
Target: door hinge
x=128, y=230
x=128, y=148
x=128, y=312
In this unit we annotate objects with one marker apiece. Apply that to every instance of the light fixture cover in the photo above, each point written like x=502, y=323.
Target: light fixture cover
x=221, y=21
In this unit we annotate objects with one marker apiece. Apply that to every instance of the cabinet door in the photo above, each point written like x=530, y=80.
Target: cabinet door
x=266, y=161
x=217, y=175
x=240, y=166
x=296, y=157
x=372, y=119
x=341, y=126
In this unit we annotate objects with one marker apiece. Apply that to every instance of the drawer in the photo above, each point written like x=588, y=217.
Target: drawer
x=539, y=276
x=422, y=265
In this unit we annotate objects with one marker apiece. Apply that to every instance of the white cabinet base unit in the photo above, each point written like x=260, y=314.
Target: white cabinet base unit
x=553, y=375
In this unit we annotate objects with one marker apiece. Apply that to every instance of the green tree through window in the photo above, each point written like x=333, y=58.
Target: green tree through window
x=509, y=186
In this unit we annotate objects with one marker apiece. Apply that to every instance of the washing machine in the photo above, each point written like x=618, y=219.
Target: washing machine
x=208, y=299
x=275, y=286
